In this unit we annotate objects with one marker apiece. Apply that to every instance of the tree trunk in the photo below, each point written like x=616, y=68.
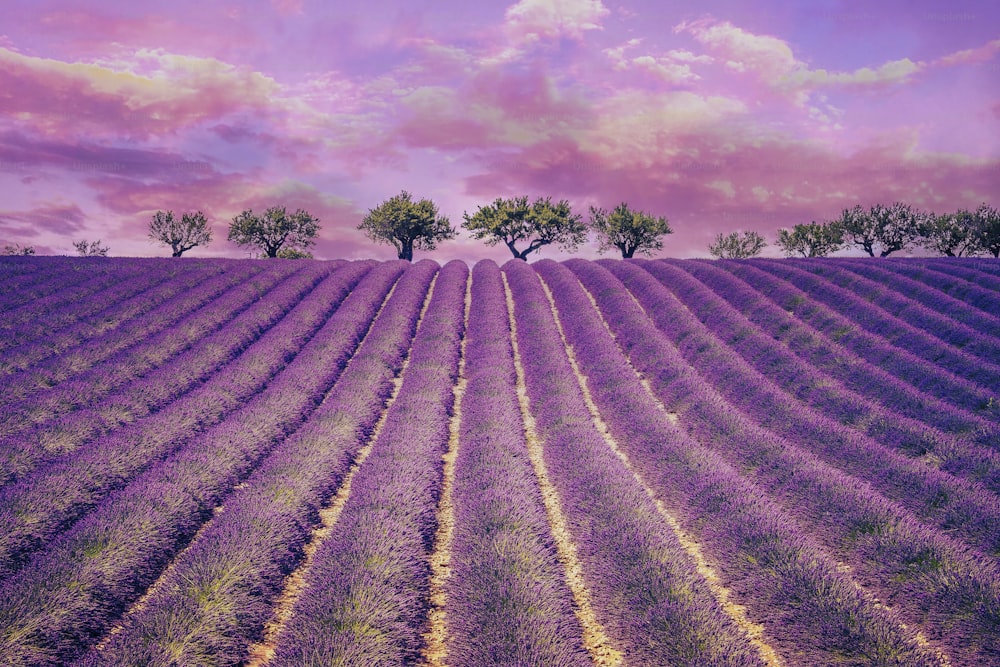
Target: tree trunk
x=406, y=251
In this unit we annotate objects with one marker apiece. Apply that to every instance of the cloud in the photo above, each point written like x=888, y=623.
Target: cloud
x=980, y=54
x=61, y=219
x=536, y=19
x=772, y=61
x=150, y=93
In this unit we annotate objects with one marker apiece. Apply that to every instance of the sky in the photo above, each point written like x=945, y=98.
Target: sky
x=720, y=115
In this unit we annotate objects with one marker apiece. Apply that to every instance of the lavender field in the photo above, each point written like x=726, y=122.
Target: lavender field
x=642, y=462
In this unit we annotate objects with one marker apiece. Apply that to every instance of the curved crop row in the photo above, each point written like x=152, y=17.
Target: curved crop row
x=651, y=599
x=218, y=594
x=86, y=407
x=964, y=452
x=952, y=502
x=66, y=596
x=897, y=294
x=89, y=300
x=857, y=324
x=507, y=600
x=42, y=503
x=365, y=595
x=932, y=581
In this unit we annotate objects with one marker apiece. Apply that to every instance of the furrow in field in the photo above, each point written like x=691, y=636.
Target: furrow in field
x=237, y=322
x=965, y=507
x=755, y=632
x=79, y=305
x=70, y=283
x=858, y=325
x=919, y=389
x=233, y=584
x=506, y=595
x=46, y=391
x=435, y=651
x=934, y=312
x=645, y=590
x=881, y=412
x=39, y=367
x=42, y=503
x=68, y=596
x=932, y=582
x=365, y=597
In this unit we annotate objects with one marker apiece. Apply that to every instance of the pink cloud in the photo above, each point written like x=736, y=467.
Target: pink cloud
x=534, y=19
x=980, y=54
x=61, y=219
x=63, y=99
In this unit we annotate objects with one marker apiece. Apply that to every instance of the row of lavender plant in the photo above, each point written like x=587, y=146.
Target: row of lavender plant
x=29, y=280
x=91, y=407
x=47, y=388
x=933, y=582
x=507, y=599
x=964, y=507
x=364, y=599
x=724, y=304
x=646, y=590
x=944, y=280
x=856, y=326
x=47, y=317
x=970, y=270
x=65, y=597
x=55, y=274
x=40, y=504
x=44, y=363
x=936, y=313
x=219, y=593
x=919, y=388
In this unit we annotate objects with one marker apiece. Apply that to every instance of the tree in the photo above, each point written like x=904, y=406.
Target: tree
x=513, y=220
x=884, y=229
x=952, y=234
x=987, y=223
x=629, y=231
x=407, y=225
x=274, y=230
x=18, y=249
x=812, y=240
x=181, y=235
x=292, y=253
x=738, y=245
x=91, y=249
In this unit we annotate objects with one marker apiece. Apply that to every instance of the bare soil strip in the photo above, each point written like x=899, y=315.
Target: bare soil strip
x=595, y=640
x=919, y=637
x=435, y=651
x=165, y=575
x=263, y=651
x=753, y=631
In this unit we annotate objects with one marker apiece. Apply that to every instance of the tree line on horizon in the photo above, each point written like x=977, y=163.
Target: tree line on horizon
x=524, y=227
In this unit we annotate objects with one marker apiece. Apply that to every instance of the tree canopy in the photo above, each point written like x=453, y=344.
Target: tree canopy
x=882, y=229
x=18, y=249
x=91, y=248
x=512, y=221
x=629, y=231
x=737, y=245
x=407, y=225
x=811, y=240
x=952, y=234
x=274, y=230
x=181, y=235
x=987, y=224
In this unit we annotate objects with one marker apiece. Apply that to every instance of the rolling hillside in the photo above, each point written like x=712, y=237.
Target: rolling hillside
x=669, y=462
